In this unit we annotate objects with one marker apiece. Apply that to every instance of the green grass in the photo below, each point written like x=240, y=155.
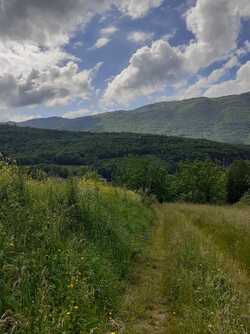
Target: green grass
x=79, y=256
x=191, y=282
x=206, y=290
x=228, y=226
x=66, y=251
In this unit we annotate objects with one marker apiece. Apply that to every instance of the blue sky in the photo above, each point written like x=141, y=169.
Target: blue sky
x=73, y=58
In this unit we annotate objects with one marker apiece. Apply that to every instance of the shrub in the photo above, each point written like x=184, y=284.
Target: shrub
x=201, y=182
x=238, y=180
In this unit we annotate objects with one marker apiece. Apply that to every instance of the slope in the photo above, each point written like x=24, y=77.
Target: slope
x=225, y=119
x=36, y=146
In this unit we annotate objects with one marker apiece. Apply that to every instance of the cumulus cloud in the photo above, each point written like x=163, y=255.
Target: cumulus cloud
x=136, y=9
x=204, y=83
x=77, y=113
x=148, y=70
x=20, y=58
x=105, y=36
x=49, y=22
x=101, y=42
x=140, y=37
x=34, y=68
x=215, y=26
x=16, y=115
x=52, y=86
x=46, y=22
x=241, y=84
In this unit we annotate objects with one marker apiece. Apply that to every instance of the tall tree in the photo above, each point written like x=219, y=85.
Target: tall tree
x=238, y=180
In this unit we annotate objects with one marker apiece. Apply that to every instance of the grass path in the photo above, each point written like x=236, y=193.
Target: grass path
x=187, y=284
x=144, y=309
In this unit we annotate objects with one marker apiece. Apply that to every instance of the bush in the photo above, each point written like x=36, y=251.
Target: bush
x=201, y=182
x=147, y=175
x=238, y=180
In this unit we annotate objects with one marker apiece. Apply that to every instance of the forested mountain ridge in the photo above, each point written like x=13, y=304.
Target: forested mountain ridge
x=224, y=119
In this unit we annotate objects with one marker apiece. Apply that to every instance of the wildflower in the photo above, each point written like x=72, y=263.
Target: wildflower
x=68, y=313
x=71, y=286
x=76, y=307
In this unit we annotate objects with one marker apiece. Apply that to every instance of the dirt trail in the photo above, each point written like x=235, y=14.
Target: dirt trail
x=144, y=308
x=183, y=276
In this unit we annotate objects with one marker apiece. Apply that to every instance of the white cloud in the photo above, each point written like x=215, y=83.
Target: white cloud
x=140, y=37
x=241, y=84
x=76, y=113
x=78, y=45
x=101, y=42
x=215, y=26
x=204, y=83
x=34, y=68
x=46, y=22
x=105, y=36
x=16, y=115
x=20, y=58
x=149, y=69
x=108, y=31
x=30, y=75
x=52, y=86
x=138, y=8
x=49, y=22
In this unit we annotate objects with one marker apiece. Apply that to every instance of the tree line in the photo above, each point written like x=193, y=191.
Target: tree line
x=196, y=182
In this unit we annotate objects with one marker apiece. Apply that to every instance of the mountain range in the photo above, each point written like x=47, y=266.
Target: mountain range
x=224, y=119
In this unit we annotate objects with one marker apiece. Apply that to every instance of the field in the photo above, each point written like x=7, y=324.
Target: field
x=82, y=256
x=196, y=278
x=66, y=251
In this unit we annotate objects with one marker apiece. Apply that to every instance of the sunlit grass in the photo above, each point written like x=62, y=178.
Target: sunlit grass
x=192, y=282
x=66, y=249
x=228, y=226
x=206, y=290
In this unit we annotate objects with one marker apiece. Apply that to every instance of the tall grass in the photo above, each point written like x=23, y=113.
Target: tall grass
x=206, y=290
x=228, y=226
x=66, y=250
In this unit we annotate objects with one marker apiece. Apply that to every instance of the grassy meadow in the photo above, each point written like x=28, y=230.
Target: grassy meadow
x=66, y=252
x=81, y=256
x=196, y=278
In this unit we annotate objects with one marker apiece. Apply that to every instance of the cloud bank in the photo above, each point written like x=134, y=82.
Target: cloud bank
x=215, y=26
x=34, y=68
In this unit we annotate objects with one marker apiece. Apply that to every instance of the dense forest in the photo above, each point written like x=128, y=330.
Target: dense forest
x=167, y=168
x=33, y=146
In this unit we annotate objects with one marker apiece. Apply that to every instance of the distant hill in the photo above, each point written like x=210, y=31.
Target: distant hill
x=225, y=119
x=35, y=146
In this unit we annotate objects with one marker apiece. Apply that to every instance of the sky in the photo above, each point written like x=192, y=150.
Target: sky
x=73, y=58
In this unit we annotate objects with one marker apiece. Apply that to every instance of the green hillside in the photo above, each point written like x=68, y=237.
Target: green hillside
x=36, y=146
x=225, y=119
